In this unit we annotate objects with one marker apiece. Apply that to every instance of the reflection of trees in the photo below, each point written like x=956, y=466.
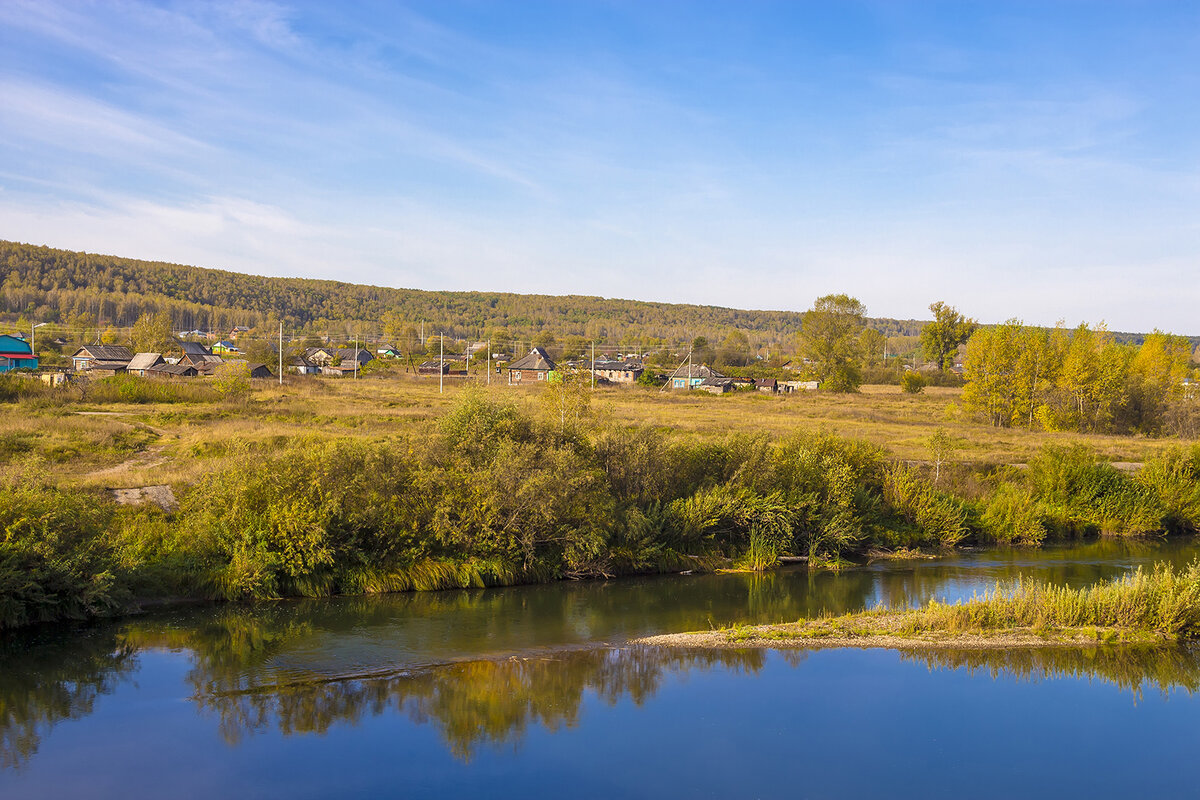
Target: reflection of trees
x=43, y=683
x=472, y=703
x=1131, y=668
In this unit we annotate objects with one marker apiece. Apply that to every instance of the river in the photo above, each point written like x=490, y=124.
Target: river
x=534, y=691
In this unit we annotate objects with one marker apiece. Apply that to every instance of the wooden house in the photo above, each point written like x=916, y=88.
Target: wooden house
x=142, y=362
x=165, y=370
x=197, y=355
x=102, y=358
x=260, y=371
x=533, y=368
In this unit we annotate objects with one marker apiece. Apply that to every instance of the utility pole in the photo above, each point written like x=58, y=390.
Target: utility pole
x=593, y=366
x=689, y=383
x=281, y=354
x=441, y=360
x=33, y=338
x=489, y=375
x=356, y=356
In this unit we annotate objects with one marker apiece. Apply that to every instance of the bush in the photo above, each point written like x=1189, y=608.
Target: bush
x=1013, y=516
x=54, y=558
x=913, y=382
x=938, y=516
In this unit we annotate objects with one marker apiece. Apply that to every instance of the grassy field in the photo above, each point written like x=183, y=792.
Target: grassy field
x=128, y=444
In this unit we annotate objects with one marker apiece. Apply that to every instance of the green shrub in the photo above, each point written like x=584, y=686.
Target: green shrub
x=940, y=518
x=913, y=382
x=1013, y=516
x=55, y=561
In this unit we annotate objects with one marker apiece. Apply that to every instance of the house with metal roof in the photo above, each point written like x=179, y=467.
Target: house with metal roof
x=15, y=353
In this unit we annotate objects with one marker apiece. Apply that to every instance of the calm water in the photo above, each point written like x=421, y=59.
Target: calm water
x=533, y=691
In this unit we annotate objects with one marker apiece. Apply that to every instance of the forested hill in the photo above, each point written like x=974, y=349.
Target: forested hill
x=67, y=287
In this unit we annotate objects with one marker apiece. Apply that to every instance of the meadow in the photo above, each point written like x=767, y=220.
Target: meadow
x=106, y=441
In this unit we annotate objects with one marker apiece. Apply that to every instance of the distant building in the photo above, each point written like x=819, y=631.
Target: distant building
x=260, y=371
x=198, y=356
x=15, y=353
x=143, y=362
x=716, y=385
x=618, y=371
x=532, y=368
x=237, y=331
x=690, y=376
x=109, y=358
x=165, y=370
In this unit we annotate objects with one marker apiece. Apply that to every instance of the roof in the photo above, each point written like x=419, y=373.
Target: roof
x=195, y=349
x=697, y=371
x=350, y=353
x=145, y=360
x=173, y=369
x=628, y=366
x=256, y=367
x=537, y=360
x=717, y=381
x=12, y=344
x=106, y=352
x=113, y=365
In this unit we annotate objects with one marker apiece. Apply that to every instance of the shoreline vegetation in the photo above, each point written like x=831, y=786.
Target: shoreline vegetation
x=314, y=490
x=1148, y=607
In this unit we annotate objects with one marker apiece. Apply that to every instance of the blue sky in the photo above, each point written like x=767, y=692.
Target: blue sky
x=1035, y=160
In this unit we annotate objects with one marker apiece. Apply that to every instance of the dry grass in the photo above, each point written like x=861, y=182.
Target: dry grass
x=190, y=439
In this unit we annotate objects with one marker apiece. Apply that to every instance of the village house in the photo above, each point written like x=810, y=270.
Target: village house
x=15, y=353
x=690, y=376
x=387, y=351
x=716, y=385
x=165, y=370
x=224, y=346
x=238, y=330
x=197, y=355
x=320, y=356
x=769, y=385
x=618, y=371
x=534, y=367
x=102, y=358
x=143, y=362
x=301, y=366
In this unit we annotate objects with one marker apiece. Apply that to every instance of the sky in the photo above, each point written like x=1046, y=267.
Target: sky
x=1031, y=160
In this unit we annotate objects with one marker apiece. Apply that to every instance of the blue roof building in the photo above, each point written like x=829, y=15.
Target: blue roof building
x=15, y=353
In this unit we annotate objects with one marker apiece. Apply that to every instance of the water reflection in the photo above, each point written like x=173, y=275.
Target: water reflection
x=1133, y=669
x=483, y=666
x=45, y=681
x=475, y=703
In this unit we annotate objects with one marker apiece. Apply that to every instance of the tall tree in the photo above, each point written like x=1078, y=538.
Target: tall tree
x=940, y=339
x=829, y=337
x=151, y=333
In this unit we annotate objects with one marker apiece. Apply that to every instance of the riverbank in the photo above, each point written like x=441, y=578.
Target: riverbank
x=1155, y=606
x=489, y=494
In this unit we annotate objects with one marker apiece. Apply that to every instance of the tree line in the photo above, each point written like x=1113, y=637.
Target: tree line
x=88, y=291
